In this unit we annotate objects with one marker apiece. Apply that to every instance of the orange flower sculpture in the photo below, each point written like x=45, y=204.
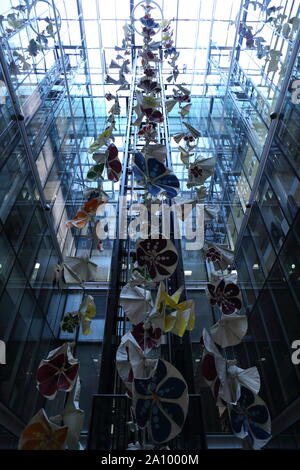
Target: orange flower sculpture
x=88, y=211
x=41, y=434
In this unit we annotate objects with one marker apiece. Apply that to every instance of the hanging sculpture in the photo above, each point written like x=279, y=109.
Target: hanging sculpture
x=41, y=434
x=83, y=316
x=161, y=402
x=58, y=372
x=251, y=417
x=158, y=391
x=158, y=256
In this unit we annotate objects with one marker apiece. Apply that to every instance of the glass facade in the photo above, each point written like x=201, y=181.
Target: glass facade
x=54, y=59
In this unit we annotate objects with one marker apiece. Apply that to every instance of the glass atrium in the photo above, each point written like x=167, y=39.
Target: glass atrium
x=63, y=65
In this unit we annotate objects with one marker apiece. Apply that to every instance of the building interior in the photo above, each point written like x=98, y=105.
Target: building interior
x=71, y=69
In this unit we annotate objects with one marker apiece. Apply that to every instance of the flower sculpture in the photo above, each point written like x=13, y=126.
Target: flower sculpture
x=58, y=372
x=155, y=175
x=161, y=401
x=147, y=338
x=159, y=256
x=75, y=270
x=102, y=139
x=149, y=86
x=87, y=311
x=149, y=22
x=95, y=172
x=41, y=434
x=210, y=374
x=131, y=361
x=149, y=133
x=251, y=417
x=110, y=160
x=220, y=255
x=213, y=255
x=70, y=322
x=226, y=295
x=229, y=330
x=87, y=212
x=223, y=376
x=153, y=115
x=170, y=315
x=149, y=71
x=200, y=170
x=136, y=302
x=113, y=164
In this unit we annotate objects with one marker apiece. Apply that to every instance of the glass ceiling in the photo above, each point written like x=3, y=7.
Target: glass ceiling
x=205, y=33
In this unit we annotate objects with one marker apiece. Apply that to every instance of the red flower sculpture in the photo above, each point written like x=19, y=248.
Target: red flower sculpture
x=57, y=372
x=153, y=115
x=196, y=172
x=213, y=255
x=146, y=338
x=226, y=295
x=159, y=256
x=113, y=164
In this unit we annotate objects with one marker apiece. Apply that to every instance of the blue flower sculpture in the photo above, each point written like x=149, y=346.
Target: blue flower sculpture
x=161, y=401
x=157, y=177
x=251, y=417
x=149, y=22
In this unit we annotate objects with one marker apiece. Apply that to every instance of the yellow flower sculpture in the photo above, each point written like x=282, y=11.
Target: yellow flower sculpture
x=170, y=315
x=87, y=312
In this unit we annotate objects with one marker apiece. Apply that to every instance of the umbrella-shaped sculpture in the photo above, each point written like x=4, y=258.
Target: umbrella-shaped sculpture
x=195, y=133
x=210, y=212
x=58, y=372
x=158, y=151
x=159, y=256
x=155, y=175
x=136, y=302
x=224, y=377
x=41, y=434
x=149, y=86
x=251, y=417
x=131, y=361
x=79, y=268
x=73, y=417
x=229, y=330
x=161, y=402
